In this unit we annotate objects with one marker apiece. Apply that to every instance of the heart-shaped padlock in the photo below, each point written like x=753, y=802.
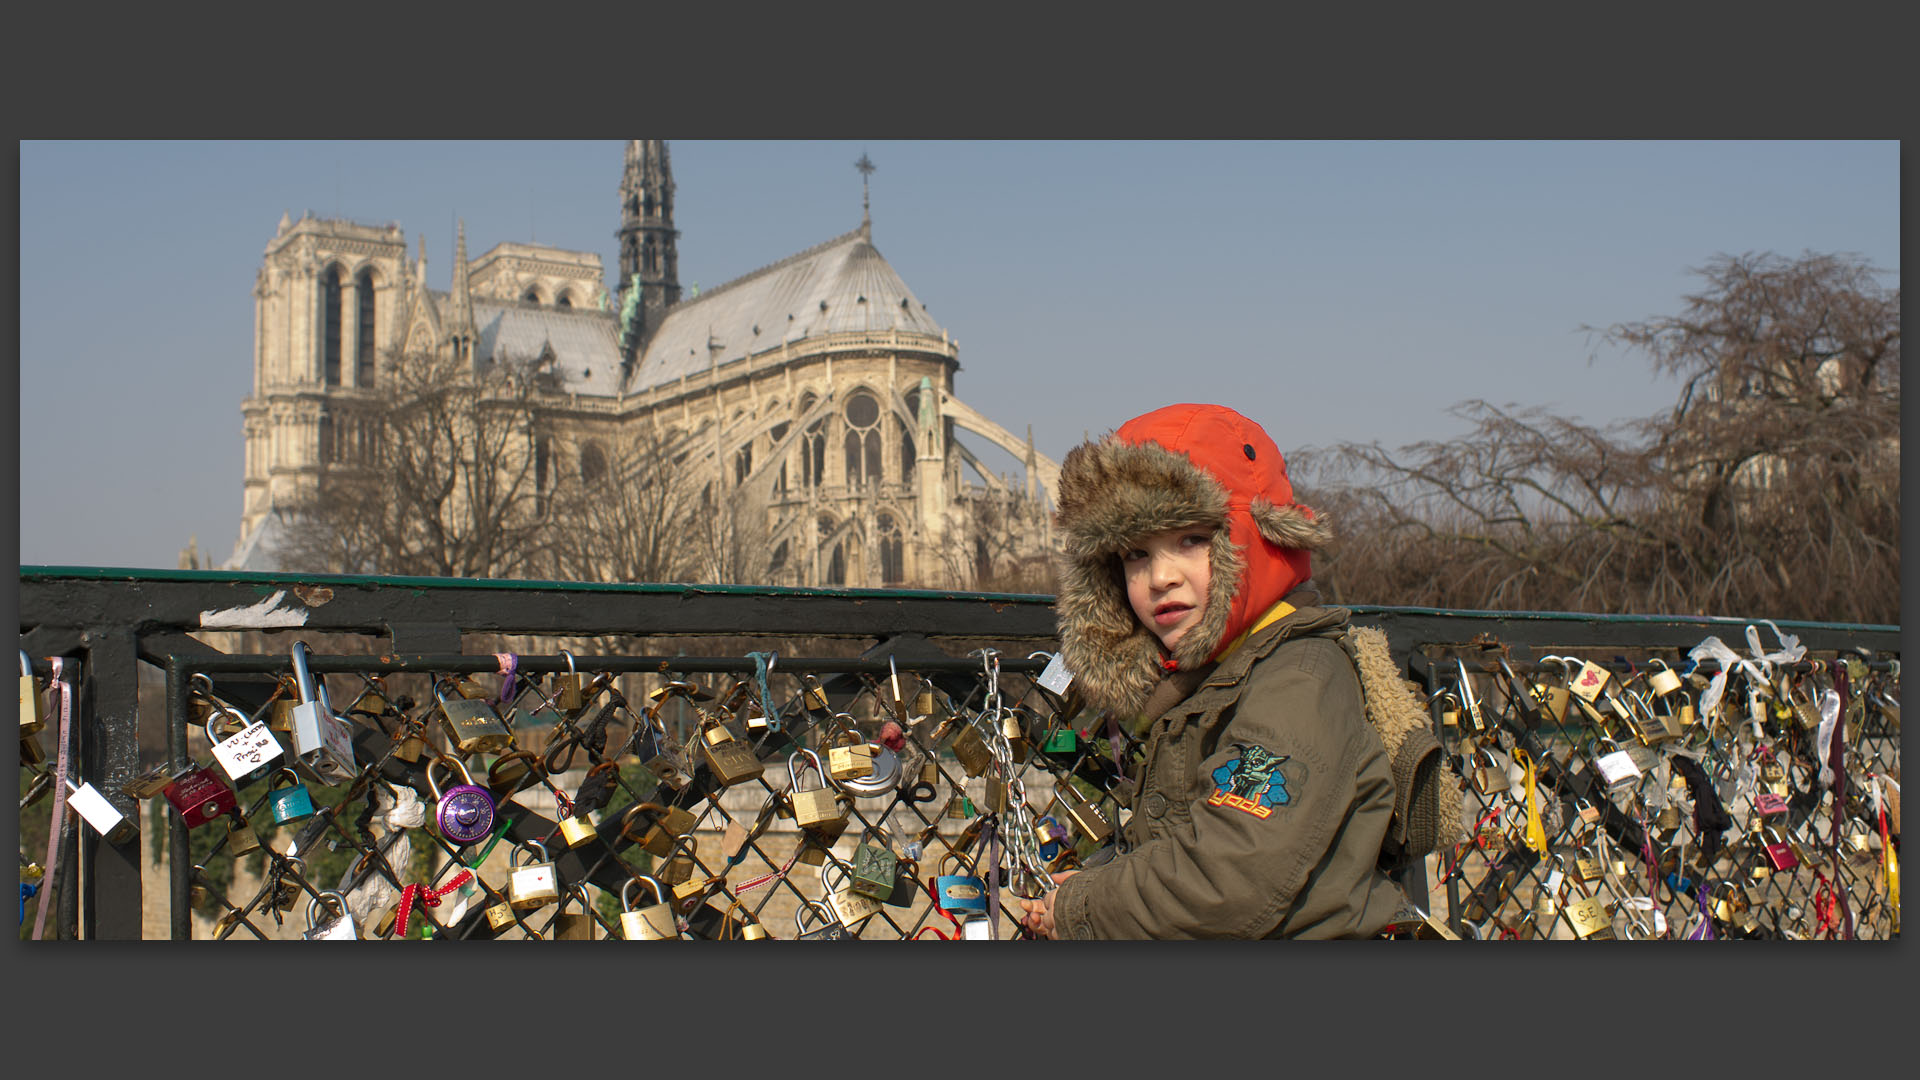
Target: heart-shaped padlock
x=465, y=812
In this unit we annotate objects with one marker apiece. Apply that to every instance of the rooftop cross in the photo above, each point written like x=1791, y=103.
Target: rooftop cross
x=866, y=167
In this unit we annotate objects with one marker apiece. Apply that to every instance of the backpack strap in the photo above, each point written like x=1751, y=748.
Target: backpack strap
x=1426, y=815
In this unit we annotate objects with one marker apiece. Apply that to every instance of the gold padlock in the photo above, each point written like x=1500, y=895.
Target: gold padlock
x=816, y=808
x=679, y=868
x=241, y=838
x=574, y=926
x=1664, y=681
x=730, y=760
x=971, y=750
x=575, y=831
x=1590, y=919
x=33, y=715
x=849, y=757
x=654, y=922
x=569, y=690
x=667, y=823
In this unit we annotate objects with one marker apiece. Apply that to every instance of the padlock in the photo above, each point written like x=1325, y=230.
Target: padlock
x=510, y=774
x=906, y=880
x=1767, y=804
x=200, y=796
x=1449, y=709
x=849, y=756
x=322, y=742
x=1062, y=741
x=679, y=868
x=569, y=688
x=33, y=714
x=960, y=892
x=830, y=928
x=338, y=928
x=972, y=751
x=246, y=754
x=1591, y=680
x=884, y=778
x=500, y=915
x=816, y=808
x=31, y=752
x=470, y=723
x=1084, y=815
x=1617, y=767
x=667, y=824
x=1489, y=777
x=575, y=831
x=1668, y=819
x=731, y=760
x=280, y=708
x=574, y=926
x=465, y=812
x=1664, y=681
x=290, y=804
x=535, y=884
x=874, y=865
x=1780, y=854
x=412, y=744
x=851, y=908
x=1590, y=919
x=1015, y=732
x=655, y=922
x=241, y=838
x=816, y=695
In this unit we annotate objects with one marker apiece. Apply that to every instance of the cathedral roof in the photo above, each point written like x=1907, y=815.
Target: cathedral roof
x=585, y=342
x=842, y=285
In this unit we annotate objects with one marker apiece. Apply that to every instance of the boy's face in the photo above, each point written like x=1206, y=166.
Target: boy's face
x=1167, y=575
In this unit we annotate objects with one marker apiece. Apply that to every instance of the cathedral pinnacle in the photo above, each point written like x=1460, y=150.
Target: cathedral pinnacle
x=866, y=167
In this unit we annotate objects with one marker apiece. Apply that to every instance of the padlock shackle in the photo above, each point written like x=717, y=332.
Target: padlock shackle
x=795, y=777
x=450, y=762
x=26, y=667
x=314, y=904
x=659, y=893
x=302, y=675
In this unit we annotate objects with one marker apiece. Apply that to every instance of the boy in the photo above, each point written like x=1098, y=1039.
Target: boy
x=1264, y=795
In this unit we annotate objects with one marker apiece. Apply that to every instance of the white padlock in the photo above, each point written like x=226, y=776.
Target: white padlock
x=94, y=807
x=247, y=750
x=338, y=928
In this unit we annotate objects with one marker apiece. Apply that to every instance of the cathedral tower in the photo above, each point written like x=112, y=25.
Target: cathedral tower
x=647, y=236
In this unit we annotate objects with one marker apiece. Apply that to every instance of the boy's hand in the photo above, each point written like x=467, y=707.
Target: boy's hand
x=1039, y=915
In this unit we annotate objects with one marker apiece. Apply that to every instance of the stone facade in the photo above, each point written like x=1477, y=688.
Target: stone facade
x=814, y=394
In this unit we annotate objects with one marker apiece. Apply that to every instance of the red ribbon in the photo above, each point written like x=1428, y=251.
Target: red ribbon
x=427, y=898
x=1823, y=907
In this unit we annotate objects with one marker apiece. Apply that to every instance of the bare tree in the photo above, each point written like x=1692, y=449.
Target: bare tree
x=1771, y=487
x=626, y=518
x=447, y=473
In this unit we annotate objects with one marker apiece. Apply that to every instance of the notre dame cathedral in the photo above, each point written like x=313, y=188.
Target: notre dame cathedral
x=816, y=390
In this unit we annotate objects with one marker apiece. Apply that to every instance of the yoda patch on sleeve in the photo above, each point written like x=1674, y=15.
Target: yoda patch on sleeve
x=1252, y=781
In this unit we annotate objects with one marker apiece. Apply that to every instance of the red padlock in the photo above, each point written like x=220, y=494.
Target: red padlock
x=200, y=796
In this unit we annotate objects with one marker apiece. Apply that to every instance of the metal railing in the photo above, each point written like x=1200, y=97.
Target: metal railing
x=378, y=642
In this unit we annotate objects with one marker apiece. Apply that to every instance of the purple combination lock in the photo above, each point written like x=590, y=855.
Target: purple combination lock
x=465, y=813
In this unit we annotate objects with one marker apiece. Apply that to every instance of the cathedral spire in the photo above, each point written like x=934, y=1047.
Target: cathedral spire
x=648, y=258
x=460, y=309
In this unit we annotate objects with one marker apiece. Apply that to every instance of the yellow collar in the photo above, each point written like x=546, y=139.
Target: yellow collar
x=1274, y=614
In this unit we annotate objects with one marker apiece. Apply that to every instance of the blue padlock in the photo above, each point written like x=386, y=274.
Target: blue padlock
x=1053, y=836
x=290, y=804
x=961, y=892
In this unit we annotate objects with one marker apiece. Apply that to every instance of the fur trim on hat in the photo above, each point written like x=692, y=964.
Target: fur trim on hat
x=1111, y=493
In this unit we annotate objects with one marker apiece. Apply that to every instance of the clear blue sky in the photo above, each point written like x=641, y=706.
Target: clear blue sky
x=1332, y=291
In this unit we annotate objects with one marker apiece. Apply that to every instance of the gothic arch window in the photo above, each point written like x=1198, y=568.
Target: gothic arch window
x=892, y=551
x=862, y=414
x=363, y=343
x=326, y=440
x=779, y=560
x=532, y=296
x=330, y=314
x=908, y=454
x=593, y=463
x=774, y=435
x=542, y=448
x=836, y=568
x=813, y=448
x=565, y=301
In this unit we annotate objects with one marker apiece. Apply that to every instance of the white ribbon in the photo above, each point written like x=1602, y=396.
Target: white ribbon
x=1760, y=668
x=395, y=810
x=1829, y=713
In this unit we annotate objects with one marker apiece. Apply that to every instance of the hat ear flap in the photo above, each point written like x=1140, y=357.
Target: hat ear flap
x=1291, y=526
x=1114, y=659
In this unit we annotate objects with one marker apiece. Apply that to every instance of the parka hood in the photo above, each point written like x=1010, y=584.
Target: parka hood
x=1174, y=467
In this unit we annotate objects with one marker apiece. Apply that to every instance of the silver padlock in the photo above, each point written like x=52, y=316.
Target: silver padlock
x=322, y=743
x=1617, y=768
x=338, y=928
x=978, y=928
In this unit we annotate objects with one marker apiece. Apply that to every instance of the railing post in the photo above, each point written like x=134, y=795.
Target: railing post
x=110, y=756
